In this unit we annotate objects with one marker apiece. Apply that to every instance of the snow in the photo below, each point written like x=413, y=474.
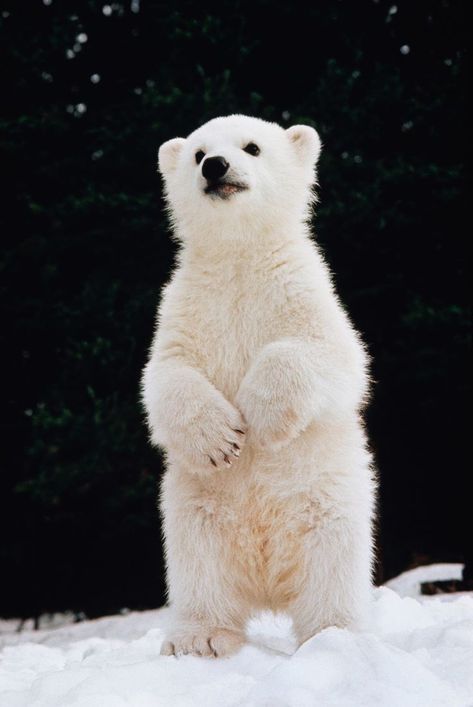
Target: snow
x=416, y=652
x=408, y=583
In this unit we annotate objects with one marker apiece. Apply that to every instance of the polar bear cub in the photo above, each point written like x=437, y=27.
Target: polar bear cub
x=254, y=387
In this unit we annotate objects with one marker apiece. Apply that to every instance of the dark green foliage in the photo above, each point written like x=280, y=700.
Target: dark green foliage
x=87, y=250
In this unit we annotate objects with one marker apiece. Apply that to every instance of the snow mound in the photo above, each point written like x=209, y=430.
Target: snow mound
x=408, y=584
x=416, y=654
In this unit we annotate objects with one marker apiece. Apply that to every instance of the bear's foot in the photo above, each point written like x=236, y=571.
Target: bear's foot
x=202, y=642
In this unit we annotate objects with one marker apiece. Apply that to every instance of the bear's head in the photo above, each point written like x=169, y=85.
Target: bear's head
x=238, y=173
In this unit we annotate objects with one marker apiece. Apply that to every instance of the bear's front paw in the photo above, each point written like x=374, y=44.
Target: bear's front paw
x=272, y=423
x=213, y=439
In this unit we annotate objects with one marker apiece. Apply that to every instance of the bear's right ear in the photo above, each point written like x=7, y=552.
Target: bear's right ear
x=168, y=155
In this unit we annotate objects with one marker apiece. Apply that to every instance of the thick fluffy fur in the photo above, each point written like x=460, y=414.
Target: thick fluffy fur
x=254, y=387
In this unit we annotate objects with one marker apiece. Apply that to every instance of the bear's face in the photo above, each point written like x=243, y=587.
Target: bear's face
x=239, y=170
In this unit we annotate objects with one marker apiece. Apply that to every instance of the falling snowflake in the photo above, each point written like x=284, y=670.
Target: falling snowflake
x=285, y=115
x=391, y=12
x=405, y=49
x=82, y=38
x=76, y=110
x=95, y=78
x=107, y=10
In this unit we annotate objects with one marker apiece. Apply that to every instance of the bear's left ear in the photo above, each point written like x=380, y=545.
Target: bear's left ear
x=168, y=154
x=306, y=141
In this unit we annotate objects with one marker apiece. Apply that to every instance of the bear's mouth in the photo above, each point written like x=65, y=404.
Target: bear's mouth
x=224, y=189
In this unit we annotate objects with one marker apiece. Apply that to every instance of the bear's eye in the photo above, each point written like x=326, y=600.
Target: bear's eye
x=252, y=149
x=199, y=156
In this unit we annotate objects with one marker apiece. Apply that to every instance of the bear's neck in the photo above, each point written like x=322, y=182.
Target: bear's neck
x=242, y=242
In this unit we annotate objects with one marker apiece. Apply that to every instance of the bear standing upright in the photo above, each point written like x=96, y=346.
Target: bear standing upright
x=254, y=388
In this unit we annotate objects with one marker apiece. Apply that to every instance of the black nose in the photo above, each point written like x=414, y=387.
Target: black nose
x=214, y=168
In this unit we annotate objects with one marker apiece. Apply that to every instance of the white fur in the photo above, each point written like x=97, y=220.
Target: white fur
x=252, y=337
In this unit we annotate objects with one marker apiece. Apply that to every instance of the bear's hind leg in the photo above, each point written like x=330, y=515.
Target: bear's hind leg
x=336, y=586
x=205, y=575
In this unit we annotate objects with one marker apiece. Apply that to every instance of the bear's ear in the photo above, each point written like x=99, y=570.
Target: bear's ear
x=306, y=142
x=168, y=155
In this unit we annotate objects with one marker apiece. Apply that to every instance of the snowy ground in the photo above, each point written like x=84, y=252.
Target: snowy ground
x=418, y=652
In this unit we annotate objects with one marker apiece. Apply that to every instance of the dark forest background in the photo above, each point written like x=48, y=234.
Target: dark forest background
x=89, y=91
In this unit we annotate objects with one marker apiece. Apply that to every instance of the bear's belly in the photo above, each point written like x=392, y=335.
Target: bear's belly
x=260, y=535
x=268, y=541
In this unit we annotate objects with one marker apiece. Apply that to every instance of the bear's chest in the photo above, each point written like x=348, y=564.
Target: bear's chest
x=230, y=320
